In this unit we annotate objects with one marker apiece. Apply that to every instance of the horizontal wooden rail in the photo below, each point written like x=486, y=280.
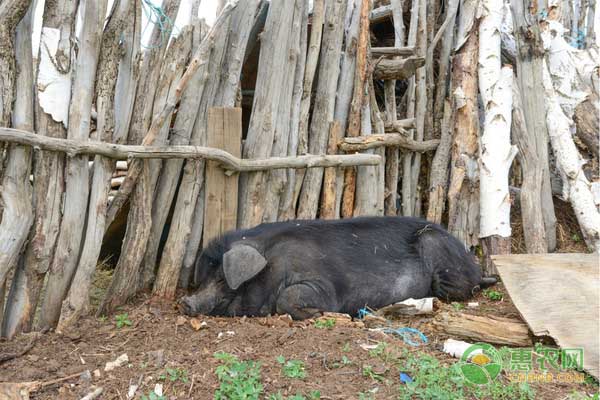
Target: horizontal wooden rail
x=360, y=143
x=226, y=160
x=392, y=51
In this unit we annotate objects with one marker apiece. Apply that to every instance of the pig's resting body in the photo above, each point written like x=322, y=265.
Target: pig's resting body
x=303, y=268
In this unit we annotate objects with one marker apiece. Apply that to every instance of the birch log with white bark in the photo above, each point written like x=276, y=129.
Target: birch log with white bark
x=111, y=54
x=16, y=188
x=496, y=151
x=55, y=60
x=529, y=60
x=290, y=197
x=324, y=107
x=77, y=177
x=569, y=163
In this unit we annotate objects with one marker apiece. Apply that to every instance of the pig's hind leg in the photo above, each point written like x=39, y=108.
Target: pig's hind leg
x=303, y=301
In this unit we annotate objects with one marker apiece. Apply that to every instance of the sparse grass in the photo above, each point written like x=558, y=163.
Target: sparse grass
x=433, y=380
x=153, y=396
x=292, y=368
x=458, y=306
x=325, y=323
x=314, y=395
x=346, y=347
x=493, y=295
x=174, y=375
x=345, y=361
x=367, y=371
x=239, y=380
x=122, y=320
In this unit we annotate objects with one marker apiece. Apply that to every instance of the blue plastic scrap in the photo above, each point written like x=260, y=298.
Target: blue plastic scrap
x=407, y=335
x=405, y=378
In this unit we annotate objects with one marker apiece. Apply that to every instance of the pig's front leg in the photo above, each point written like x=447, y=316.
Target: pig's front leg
x=303, y=301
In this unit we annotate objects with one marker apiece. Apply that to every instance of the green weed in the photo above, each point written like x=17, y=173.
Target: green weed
x=239, y=380
x=325, y=323
x=122, y=320
x=292, y=368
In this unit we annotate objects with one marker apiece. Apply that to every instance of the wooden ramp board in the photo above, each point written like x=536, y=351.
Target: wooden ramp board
x=558, y=295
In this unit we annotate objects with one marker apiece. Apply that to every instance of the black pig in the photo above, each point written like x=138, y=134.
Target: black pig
x=303, y=268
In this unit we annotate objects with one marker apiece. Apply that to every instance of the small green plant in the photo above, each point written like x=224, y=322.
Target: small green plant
x=493, y=295
x=328, y=323
x=153, y=396
x=239, y=380
x=346, y=347
x=344, y=361
x=314, y=395
x=174, y=374
x=368, y=372
x=292, y=368
x=365, y=396
x=576, y=237
x=458, y=306
x=122, y=320
x=102, y=318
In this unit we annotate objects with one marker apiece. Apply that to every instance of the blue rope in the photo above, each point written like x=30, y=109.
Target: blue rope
x=363, y=312
x=407, y=335
x=157, y=16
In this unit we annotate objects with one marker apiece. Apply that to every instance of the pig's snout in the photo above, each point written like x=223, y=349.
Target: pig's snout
x=186, y=306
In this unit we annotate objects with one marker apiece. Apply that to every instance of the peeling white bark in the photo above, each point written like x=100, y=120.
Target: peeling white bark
x=496, y=152
x=569, y=162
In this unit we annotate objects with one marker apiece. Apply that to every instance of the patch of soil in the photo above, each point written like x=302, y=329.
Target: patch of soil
x=159, y=338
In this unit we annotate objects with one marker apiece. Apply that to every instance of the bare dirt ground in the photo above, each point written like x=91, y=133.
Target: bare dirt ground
x=163, y=347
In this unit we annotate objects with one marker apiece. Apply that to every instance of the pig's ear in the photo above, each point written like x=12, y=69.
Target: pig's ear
x=242, y=263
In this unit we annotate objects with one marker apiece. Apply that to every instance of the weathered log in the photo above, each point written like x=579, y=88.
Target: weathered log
x=108, y=65
x=312, y=57
x=463, y=190
x=586, y=122
x=345, y=91
x=359, y=143
x=377, y=52
x=532, y=215
x=489, y=329
x=176, y=58
x=400, y=125
x=55, y=44
x=407, y=158
x=530, y=56
x=348, y=186
x=392, y=154
x=225, y=62
x=370, y=179
x=381, y=14
x=328, y=196
x=16, y=189
x=399, y=69
x=324, y=106
x=226, y=160
x=286, y=208
x=438, y=176
x=172, y=168
x=77, y=183
x=275, y=180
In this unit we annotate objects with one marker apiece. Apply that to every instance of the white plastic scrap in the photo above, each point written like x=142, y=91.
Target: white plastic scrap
x=456, y=348
x=119, y=362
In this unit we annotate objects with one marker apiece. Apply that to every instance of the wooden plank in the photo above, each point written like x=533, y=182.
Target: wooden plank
x=220, y=211
x=557, y=295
